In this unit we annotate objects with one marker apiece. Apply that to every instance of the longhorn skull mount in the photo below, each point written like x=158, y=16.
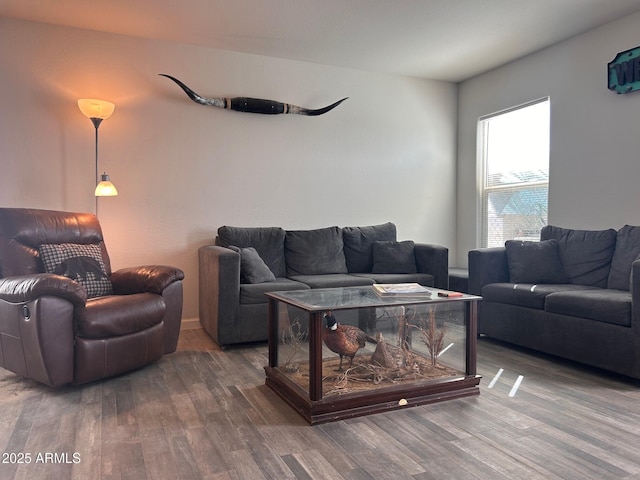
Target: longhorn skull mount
x=253, y=105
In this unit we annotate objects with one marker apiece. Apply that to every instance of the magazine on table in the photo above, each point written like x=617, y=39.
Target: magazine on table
x=400, y=289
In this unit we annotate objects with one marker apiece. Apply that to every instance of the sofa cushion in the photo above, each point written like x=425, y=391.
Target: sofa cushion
x=421, y=278
x=252, y=267
x=602, y=305
x=268, y=242
x=394, y=257
x=626, y=251
x=525, y=294
x=253, y=293
x=332, y=280
x=314, y=252
x=586, y=254
x=358, y=245
x=82, y=263
x=534, y=262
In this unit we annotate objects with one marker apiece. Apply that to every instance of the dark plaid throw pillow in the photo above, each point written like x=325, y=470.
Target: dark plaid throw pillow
x=82, y=263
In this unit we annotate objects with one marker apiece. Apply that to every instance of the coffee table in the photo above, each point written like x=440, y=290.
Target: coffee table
x=425, y=351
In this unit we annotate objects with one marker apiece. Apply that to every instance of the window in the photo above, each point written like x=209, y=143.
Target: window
x=514, y=179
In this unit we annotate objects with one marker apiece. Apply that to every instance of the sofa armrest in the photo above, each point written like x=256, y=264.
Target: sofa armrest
x=635, y=295
x=27, y=288
x=434, y=260
x=487, y=265
x=144, y=279
x=219, y=287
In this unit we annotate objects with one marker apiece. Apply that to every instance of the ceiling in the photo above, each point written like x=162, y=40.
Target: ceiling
x=448, y=40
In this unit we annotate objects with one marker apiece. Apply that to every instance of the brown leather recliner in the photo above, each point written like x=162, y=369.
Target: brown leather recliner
x=50, y=331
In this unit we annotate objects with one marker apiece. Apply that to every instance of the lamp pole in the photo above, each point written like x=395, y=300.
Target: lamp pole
x=96, y=111
x=96, y=123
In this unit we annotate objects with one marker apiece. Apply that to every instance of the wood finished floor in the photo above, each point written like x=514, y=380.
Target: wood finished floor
x=204, y=413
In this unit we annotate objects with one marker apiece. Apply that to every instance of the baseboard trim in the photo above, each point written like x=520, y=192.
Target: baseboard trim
x=190, y=324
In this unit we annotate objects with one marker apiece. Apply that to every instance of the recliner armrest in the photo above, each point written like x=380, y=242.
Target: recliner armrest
x=434, y=260
x=144, y=279
x=487, y=265
x=26, y=288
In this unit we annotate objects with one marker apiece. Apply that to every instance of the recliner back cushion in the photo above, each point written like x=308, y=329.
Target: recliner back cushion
x=358, y=245
x=585, y=254
x=314, y=252
x=23, y=230
x=627, y=250
x=268, y=242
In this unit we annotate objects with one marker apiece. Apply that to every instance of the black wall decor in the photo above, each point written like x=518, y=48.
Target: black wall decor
x=252, y=105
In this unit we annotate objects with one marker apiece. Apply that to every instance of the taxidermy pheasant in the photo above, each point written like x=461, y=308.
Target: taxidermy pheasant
x=345, y=340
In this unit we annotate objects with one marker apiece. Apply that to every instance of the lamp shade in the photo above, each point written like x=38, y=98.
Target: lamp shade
x=105, y=188
x=93, y=108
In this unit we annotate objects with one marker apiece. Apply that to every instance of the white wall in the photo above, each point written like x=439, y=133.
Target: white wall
x=182, y=170
x=595, y=139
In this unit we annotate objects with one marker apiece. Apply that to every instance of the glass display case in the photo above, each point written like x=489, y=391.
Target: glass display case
x=343, y=352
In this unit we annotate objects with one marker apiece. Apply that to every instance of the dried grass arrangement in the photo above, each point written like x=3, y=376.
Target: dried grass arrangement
x=294, y=337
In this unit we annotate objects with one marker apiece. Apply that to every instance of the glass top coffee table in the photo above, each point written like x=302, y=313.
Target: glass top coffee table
x=338, y=353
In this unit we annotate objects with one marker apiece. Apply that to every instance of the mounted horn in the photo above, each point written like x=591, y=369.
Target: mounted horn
x=253, y=105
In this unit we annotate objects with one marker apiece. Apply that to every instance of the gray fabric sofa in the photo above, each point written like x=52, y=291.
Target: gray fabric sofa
x=245, y=263
x=575, y=294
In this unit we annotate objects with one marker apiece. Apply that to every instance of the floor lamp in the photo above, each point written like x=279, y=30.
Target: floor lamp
x=97, y=111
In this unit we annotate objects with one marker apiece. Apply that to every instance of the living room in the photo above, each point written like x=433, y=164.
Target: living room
x=400, y=148
x=396, y=141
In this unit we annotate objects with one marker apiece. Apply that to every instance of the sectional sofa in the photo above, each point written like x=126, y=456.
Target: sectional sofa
x=245, y=263
x=575, y=294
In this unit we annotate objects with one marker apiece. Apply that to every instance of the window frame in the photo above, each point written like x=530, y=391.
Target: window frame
x=482, y=189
